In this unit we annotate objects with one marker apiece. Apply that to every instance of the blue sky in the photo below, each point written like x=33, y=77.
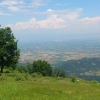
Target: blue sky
x=50, y=19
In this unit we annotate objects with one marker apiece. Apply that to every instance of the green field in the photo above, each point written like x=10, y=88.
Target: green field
x=17, y=86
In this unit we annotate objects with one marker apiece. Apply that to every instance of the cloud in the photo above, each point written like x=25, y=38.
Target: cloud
x=67, y=20
x=71, y=15
x=22, y=5
x=31, y=24
x=12, y=5
x=49, y=10
x=12, y=8
x=37, y=3
x=11, y=2
x=52, y=22
x=91, y=23
x=56, y=19
x=94, y=20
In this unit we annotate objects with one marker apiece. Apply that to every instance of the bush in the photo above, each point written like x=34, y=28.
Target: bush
x=59, y=73
x=73, y=78
x=22, y=69
x=95, y=81
x=3, y=77
x=36, y=75
x=21, y=76
x=8, y=70
x=18, y=78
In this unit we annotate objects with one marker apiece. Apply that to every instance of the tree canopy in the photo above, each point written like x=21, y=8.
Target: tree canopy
x=42, y=67
x=9, y=52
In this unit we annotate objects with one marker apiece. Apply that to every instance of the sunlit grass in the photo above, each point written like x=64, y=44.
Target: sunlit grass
x=46, y=88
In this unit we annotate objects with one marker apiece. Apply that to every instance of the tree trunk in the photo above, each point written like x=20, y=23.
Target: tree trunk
x=1, y=69
x=2, y=65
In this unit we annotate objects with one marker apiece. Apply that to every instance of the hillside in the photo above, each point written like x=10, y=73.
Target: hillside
x=21, y=86
x=86, y=68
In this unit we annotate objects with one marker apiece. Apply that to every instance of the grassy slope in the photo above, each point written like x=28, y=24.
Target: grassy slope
x=46, y=88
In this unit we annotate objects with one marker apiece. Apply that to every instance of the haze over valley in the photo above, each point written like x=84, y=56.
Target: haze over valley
x=59, y=50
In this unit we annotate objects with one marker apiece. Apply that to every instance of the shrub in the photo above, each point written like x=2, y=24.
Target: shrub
x=73, y=78
x=21, y=77
x=22, y=69
x=8, y=70
x=95, y=81
x=59, y=73
x=3, y=77
x=36, y=75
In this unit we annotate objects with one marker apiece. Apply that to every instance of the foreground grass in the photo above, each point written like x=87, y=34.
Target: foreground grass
x=45, y=88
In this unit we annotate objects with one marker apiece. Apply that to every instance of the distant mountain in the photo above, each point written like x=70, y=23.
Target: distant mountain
x=86, y=68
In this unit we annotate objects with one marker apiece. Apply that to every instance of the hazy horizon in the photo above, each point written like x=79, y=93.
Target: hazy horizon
x=56, y=37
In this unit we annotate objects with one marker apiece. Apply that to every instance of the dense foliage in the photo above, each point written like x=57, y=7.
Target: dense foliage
x=9, y=53
x=39, y=66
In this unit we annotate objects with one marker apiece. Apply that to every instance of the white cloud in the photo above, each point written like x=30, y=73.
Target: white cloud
x=12, y=5
x=50, y=10
x=31, y=24
x=12, y=8
x=71, y=15
x=37, y=3
x=22, y=5
x=64, y=14
x=91, y=23
x=11, y=2
x=68, y=20
x=52, y=22
x=94, y=20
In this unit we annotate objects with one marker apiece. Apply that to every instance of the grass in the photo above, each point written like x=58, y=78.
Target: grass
x=17, y=86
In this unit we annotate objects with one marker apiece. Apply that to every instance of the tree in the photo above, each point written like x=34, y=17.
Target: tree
x=42, y=67
x=9, y=53
x=29, y=67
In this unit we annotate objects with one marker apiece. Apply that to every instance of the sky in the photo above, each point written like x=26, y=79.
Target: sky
x=51, y=19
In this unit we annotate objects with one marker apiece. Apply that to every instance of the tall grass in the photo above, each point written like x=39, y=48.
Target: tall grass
x=46, y=88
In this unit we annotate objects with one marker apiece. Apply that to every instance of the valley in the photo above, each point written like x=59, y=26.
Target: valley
x=54, y=52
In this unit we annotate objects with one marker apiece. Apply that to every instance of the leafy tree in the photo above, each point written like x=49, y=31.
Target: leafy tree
x=42, y=67
x=29, y=67
x=9, y=53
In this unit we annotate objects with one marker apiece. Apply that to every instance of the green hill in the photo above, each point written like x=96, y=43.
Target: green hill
x=86, y=68
x=22, y=86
